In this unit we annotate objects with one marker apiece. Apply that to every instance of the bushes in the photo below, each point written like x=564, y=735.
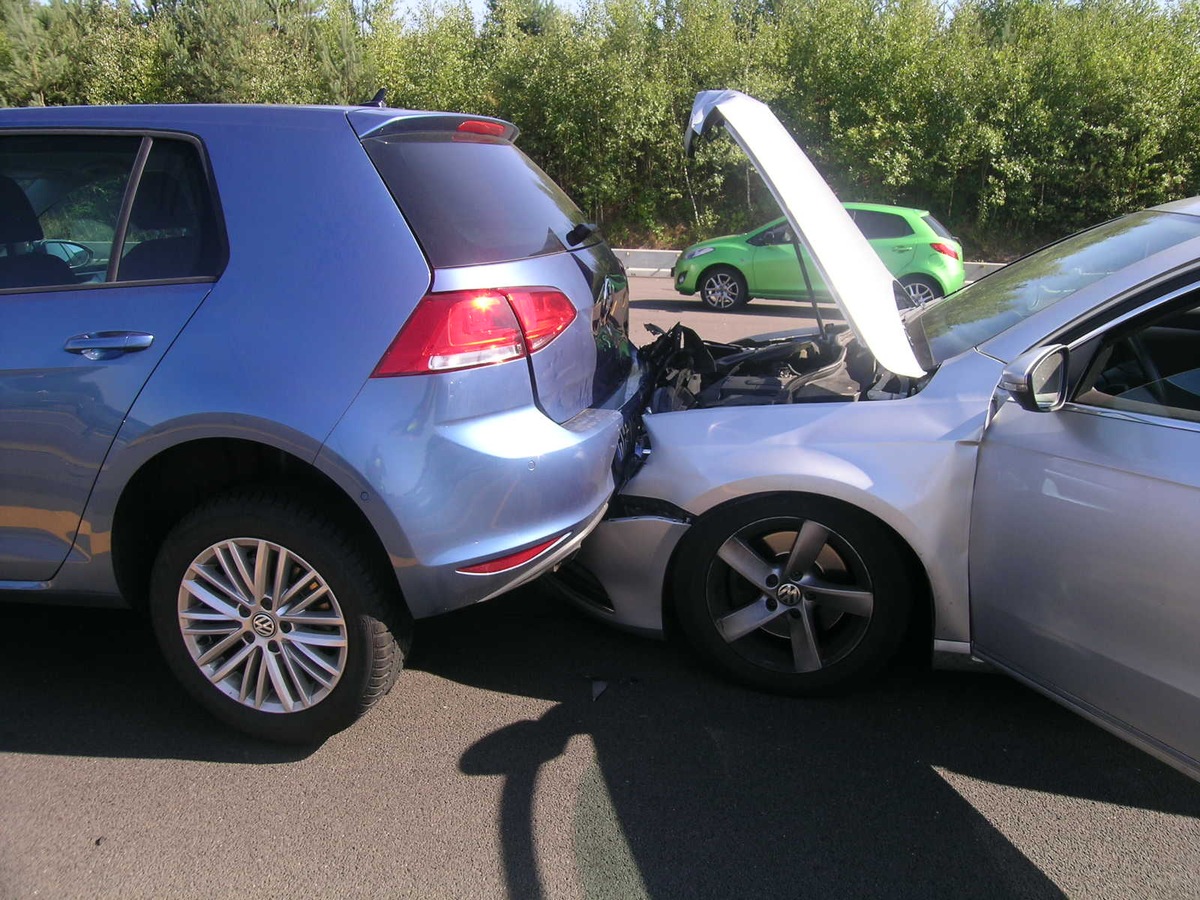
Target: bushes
x=1014, y=120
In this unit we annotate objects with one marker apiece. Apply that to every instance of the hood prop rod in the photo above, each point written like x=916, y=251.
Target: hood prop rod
x=812, y=295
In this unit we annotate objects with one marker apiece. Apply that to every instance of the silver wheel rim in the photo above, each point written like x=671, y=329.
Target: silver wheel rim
x=920, y=293
x=262, y=625
x=791, y=595
x=721, y=290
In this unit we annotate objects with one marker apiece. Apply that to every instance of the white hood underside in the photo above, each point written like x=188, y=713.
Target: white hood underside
x=856, y=277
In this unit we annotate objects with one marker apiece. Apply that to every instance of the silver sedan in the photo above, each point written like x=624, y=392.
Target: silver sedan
x=1014, y=465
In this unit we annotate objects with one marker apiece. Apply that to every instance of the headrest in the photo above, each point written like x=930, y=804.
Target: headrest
x=17, y=221
x=162, y=202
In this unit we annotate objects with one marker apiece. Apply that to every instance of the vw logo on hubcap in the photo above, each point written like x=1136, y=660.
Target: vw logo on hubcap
x=789, y=594
x=263, y=624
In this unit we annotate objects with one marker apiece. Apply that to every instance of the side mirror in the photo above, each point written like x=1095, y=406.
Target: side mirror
x=1037, y=380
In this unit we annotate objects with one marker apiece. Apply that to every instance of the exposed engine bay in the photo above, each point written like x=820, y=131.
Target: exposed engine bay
x=684, y=371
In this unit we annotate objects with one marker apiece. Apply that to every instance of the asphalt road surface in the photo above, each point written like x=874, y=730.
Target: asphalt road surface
x=654, y=300
x=528, y=752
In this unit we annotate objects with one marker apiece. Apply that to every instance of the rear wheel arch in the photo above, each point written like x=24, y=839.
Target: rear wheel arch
x=175, y=481
x=273, y=616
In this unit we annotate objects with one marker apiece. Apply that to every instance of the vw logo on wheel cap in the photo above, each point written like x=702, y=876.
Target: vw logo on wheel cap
x=789, y=594
x=263, y=624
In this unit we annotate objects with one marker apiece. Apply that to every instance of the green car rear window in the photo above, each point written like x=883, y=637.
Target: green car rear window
x=938, y=228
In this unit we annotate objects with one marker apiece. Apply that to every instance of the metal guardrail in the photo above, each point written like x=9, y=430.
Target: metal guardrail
x=657, y=264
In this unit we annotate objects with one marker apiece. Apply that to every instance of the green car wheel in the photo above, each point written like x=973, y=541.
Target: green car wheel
x=921, y=290
x=723, y=288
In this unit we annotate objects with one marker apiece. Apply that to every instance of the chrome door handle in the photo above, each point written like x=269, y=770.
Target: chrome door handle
x=902, y=249
x=108, y=344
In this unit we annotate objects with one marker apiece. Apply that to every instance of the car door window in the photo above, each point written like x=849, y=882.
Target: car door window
x=64, y=211
x=780, y=234
x=878, y=225
x=1150, y=366
x=56, y=188
x=173, y=230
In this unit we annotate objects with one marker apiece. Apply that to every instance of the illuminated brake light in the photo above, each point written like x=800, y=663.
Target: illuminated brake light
x=456, y=330
x=467, y=329
x=945, y=249
x=512, y=560
x=472, y=126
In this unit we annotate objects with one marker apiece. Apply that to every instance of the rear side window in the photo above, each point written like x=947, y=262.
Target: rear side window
x=472, y=200
x=876, y=225
x=173, y=230
x=67, y=217
x=938, y=228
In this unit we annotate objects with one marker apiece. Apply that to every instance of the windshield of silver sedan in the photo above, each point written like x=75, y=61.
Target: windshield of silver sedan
x=981, y=311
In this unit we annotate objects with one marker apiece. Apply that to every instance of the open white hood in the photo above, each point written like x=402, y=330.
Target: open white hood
x=854, y=274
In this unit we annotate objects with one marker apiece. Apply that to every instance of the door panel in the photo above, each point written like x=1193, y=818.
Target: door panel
x=59, y=411
x=891, y=237
x=777, y=273
x=1084, y=562
x=74, y=356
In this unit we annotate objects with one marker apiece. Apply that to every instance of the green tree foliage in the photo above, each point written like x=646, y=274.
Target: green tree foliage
x=1013, y=120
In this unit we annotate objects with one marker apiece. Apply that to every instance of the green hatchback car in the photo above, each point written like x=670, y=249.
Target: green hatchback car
x=729, y=271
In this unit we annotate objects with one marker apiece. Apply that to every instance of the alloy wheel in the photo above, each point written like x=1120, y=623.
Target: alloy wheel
x=262, y=625
x=722, y=290
x=789, y=595
x=920, y=292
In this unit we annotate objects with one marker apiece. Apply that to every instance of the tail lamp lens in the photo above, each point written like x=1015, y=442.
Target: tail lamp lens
x=945, y=249
x=543, y=314
x=467, y=329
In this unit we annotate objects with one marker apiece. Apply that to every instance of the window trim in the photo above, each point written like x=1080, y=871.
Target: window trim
x=131, y=189
x=148, y=136
x=1124, y=415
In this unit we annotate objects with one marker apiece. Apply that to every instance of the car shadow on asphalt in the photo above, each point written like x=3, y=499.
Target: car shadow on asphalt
x=91, y=682
x=718, y=791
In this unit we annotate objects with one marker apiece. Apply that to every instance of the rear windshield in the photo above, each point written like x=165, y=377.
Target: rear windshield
x=472, y=199
x=938, y=228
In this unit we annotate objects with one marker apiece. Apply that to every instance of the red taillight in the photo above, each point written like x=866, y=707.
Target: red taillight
x=466, y=329
x=472, y=126
x=544, y=315
x=945, y=249
x=504, y=563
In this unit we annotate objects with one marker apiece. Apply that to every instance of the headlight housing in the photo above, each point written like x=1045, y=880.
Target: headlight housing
x=698, y=251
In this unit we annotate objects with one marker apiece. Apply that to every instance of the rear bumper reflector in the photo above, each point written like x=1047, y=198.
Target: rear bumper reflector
x=512, y=560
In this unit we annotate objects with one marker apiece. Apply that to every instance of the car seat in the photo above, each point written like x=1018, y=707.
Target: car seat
x=163, y=203
x=21, y=266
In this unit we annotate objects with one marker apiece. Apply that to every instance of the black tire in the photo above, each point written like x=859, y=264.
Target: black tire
x=920, y=289
x=723, y=288
x=322, y=560
x=855, y=557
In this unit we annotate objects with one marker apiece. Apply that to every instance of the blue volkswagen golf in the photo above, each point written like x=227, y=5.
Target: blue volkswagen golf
x=302, y=376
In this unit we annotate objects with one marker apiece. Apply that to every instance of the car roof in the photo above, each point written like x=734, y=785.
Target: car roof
x=186, y=116
x=888, y=208
x=1189, y=206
